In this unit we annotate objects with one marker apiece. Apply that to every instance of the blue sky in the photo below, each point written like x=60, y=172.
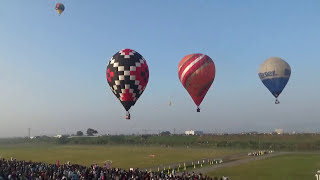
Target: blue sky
x=52, y=69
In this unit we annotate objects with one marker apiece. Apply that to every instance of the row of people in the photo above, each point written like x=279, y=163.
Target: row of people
x=28, y=170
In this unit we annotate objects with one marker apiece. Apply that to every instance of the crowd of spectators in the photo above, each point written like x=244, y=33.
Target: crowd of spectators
x=27, y=170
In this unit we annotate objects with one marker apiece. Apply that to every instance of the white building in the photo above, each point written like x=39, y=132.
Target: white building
x=279, y=131
x=58, y=136
x=192, y=132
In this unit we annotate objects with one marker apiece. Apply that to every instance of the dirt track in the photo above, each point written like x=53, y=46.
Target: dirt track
x=234, y=163
x=231, y=157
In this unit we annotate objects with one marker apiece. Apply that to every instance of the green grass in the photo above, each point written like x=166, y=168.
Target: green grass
x=285, y=167
x=123, y=156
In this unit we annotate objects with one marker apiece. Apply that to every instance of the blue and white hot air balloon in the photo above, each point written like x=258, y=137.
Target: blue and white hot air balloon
x=275, y=74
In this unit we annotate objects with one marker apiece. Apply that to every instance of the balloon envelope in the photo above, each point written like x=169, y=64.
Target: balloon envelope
x=59, y=8
x=196, y=73
x=127, y=75
x=274, y=74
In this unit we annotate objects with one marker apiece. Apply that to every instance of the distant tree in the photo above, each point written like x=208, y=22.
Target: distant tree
x=91, y=132
x=165, y=133
x=79, y=133
x=63, y=140
x=144, y=138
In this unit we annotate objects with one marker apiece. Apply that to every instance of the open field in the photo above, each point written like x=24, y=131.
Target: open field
x=290, y=166
x=123, y=156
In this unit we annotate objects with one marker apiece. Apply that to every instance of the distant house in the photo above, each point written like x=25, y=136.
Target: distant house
x=58, y=136
x=192, y=132
x=279, y=131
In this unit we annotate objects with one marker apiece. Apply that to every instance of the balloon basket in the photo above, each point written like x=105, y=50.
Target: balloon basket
x=128, y=116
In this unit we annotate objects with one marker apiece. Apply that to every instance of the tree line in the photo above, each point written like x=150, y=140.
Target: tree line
x=302, y=142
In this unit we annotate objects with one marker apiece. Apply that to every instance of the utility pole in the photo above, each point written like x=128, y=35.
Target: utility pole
x=174, y=131
x=29, y=134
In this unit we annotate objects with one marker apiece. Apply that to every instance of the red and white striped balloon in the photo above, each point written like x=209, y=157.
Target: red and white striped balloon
x=196, y=73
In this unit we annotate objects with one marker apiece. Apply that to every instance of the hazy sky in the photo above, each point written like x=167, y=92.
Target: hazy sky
x=52, y=69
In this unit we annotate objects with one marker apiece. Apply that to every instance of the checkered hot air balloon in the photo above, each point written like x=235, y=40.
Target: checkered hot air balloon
x=196, y=73
x=127, y=75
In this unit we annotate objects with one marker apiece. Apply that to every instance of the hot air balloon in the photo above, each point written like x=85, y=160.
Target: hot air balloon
x=59, y=8
x=275, y=74
x=196, y=73
x=127, y=75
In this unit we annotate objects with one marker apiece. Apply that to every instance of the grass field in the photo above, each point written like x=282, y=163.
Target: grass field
x=286, y=167
x=123, y=156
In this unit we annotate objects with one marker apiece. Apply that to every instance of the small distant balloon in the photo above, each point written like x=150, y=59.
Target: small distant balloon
x=59, y=8
x=274, y=74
